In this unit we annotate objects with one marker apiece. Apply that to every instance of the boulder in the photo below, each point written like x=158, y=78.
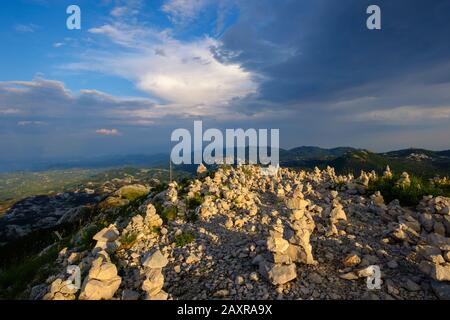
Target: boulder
x=154, y=282
x=441, y=272
x=155, y=260
x=100, y=290
x=61, y=290
x=107, y=234
x=296, y=203
x=277, y=245
x=351, y=260
x=281, y=274
x=201, y=170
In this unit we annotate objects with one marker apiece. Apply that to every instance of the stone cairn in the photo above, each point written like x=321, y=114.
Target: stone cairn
x=279, y=269
x=102, y=281
x=290, y=245
x=301, y=227
x=154, y=281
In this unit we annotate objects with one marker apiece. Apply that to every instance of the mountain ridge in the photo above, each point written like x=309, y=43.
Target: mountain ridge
x=343, y=158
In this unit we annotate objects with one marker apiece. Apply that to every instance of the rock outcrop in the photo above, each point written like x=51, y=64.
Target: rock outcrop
x=240, y=233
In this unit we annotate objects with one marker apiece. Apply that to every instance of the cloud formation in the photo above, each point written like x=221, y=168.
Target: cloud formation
x=108, y=132
x=50, y=100
x=184, y=76
x=184, y=11
x=25, y=28
x=308, y=68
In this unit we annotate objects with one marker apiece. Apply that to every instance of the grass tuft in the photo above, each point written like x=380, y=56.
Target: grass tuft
x=127, y=240
x=184, y=239
x=409, y=195
x=194, y=202
x=169, y=214
x=15, y=279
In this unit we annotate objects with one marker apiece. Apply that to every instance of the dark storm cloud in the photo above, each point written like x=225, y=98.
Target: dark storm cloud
x=338, y=83
x=314, y=50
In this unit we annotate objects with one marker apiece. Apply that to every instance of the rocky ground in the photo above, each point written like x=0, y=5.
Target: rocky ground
x=238, y=233
x=43, y=212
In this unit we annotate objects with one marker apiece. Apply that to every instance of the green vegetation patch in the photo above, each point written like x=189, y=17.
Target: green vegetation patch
x=15, y=279
x=226, y=167
x=443, y=184
x=113, y=202
x=194, y=202
x=83, y=238
x=133, y=192
x=169, y=214
x=183, y=239
x=127, y=240
x=409, y=195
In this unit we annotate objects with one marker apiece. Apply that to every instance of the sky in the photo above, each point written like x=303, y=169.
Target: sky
x=137, y=70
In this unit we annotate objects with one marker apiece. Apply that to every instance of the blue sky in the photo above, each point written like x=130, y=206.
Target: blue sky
x=139, y=69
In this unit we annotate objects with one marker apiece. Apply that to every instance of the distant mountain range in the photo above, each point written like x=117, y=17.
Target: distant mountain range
x=344, y=159
x=138, y=160
x=420, y=162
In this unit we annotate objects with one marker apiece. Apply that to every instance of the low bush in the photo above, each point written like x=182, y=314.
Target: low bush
x=194, y=202
x=15, y=279
x=128, y=239
x=184, y=239
x=169, y=214
x=409, y=195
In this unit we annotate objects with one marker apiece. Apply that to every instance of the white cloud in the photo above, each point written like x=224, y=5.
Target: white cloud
x=119, y=11
x=9, y=111
x=405, y=115
x=51, y=101
x=25, y=28
x=120, y=33
x=30, y=123
x=108, y=132
x=189, y=75
x=185, y=76
x=182, y=11
x=124, y=9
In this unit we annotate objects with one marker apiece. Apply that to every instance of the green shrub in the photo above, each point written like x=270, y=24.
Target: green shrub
x=158, y=207
x=169, y=214
x=339, y=184
x=194, y=202
x=191, y=216
x=85, y=240
x=127, y=240
x=183, y=185
x=184, y=239
x=159, y=188
x=443, y=184
x=409, y=195
x=156, y=230
x=247, y=171
x=114, y=202
x=133, y=192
